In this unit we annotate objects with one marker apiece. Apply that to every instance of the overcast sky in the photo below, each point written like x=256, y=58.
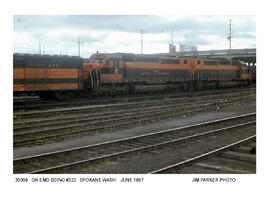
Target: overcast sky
x=121, y=33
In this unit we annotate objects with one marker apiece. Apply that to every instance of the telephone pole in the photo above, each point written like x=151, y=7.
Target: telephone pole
x=79, y=43
x=172, y=36
x=230, y=34
x=141, y=41
x=39, y=43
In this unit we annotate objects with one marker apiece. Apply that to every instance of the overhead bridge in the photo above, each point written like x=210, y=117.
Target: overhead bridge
x=246, y=55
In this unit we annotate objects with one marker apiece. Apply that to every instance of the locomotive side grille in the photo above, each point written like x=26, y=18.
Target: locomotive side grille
x=18, y=63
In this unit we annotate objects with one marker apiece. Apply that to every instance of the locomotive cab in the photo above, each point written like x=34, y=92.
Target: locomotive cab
x=103, y=71
x=93, y=65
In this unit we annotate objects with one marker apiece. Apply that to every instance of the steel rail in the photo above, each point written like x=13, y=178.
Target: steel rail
x=85, y=117
x=115, y=142
x=96, y=107
x=147, y=135
x=143, y=111
x=97, y=116
x=155, y=146
x=79, y=101
x=98, y=126
x=203, y=156
x=151, y=134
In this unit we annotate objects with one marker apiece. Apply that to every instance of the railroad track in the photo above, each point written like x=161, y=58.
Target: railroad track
x=25, y=99
x=94, y=157
x=177, y=167
x=22, y=105
x=111, y=113
x=92, y=123
x=60, y=112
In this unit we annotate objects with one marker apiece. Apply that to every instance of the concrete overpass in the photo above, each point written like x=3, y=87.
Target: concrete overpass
x=246, y=55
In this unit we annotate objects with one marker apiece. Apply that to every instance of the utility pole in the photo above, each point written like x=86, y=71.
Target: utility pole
x=172, y=36
x=230, y=34
x=39, y=43
x=141, y=41
x=79, y=43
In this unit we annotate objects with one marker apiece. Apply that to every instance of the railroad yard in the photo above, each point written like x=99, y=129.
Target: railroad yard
x=208, y=131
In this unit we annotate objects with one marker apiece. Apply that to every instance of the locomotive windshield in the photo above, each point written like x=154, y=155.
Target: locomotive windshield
x=95, y=59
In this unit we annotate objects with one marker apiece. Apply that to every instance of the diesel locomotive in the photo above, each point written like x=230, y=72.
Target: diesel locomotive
x=122, y=73
x=47, y=76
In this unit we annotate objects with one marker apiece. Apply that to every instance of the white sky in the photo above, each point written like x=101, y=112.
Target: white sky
x=121, y=33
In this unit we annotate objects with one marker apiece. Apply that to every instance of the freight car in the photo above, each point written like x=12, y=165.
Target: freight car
x=47, y=76
x=128, y=73
x=121, y=73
